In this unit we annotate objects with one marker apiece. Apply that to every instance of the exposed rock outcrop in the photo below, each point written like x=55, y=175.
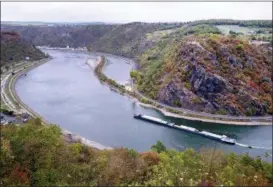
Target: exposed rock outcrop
x=216, y=75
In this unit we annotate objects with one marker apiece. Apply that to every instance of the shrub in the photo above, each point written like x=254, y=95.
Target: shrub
x=134, y=74
x=159, y=147
x=239, y=46
x=173, y=111
x=221, y=112
x=132, y=153
x=184, y=76
x=251, y=111
x=176, y=103
x=248, y=72
x=151, y=158
x=232, y=32
x=35, y=155
x=253, y=85
x=187, y=85
x=152, y=95
x=143, y=100
x=196, y=100
x=266, y=87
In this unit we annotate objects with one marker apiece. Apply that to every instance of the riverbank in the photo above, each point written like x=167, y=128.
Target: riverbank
x=21, y=107
x=169, y=112
x=8, y=97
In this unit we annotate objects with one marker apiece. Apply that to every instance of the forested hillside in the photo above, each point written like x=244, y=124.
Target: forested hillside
x=60, y=36
x=37, y=155
x=244, y=23
x=121, y=39
x=14, y=49
x=125, y=39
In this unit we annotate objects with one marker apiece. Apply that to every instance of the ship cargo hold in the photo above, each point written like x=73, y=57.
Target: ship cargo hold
x=221, y=138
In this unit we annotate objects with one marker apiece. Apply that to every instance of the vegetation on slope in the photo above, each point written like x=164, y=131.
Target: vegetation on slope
x=114, y=85
x=126, y=39
x=37, y=155
x=208, y=72
x=197, y=29
x=104, y=78
x=242, y=23
x=117, y=39
x=14, y=49
x=122, y=39
x=61, y=35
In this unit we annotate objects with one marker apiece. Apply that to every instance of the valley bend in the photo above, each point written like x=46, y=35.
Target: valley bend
x=177, y=94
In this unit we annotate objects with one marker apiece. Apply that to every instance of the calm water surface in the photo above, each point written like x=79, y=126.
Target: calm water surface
x=66, y=92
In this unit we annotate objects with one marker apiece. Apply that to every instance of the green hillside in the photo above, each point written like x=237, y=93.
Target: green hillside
x=14, y=49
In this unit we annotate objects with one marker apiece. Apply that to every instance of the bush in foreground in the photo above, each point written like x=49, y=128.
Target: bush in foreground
x=33, y=154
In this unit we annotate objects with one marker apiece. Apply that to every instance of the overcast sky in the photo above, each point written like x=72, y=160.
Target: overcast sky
x=122, y=12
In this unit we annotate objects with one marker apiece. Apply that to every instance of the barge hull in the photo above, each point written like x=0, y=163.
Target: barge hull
x=210, y=137
x=151, y=121
x=166, y=124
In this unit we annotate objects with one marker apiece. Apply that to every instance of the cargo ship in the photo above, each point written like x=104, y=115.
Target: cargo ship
x=221, y=138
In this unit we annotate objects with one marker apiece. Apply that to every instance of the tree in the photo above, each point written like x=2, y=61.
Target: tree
x=134, y=74
x=231, y=32
x=34, y=146
x=159, y=147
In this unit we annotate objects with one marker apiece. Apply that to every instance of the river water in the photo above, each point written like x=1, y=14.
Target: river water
x=66, y=92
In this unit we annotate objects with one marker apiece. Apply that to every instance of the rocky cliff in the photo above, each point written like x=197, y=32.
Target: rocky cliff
x=214, y=74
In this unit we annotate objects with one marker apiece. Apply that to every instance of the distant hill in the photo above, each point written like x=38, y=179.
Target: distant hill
x=125, y=39
x=60, y=35
x=122, y=39
x=117, y=39
x=14, y=48
x=39, y=23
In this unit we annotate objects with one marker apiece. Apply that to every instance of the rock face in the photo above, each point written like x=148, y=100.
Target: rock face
x=217, y=76
x=206, y=83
